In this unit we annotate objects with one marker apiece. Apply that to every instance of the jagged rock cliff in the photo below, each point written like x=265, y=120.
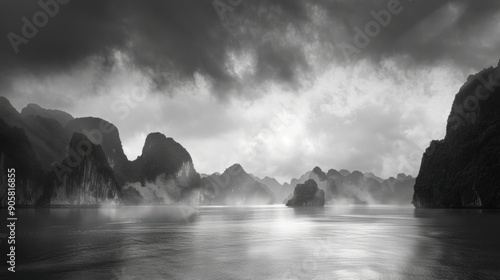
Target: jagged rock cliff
x=84, y=178
x=49, y=132
x=234, y=187
x=359, y=188
x=286, y=191
x=307, y=194
x=164, y=173
x=344, y=187
x=46, y=136
x=105, y=134
x=16, y=152
x=35, y=110
x=463, y=169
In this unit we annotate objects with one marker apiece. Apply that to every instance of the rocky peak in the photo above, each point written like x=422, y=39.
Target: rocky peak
x=9, y=114
x=355, y=177
x=83, y=178
x=105, y=134
x=235, y=169
x=35, y=110
x=476, y=103
x=270, y=180
x=333, y=173
x=162, y=155
x=307, y=194
x=316, y=170
x=403, y=177
x=233, y=187
x=344, y=172
x=461, y=170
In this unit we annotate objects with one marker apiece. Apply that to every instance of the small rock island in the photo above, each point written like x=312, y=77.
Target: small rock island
x=307, y=194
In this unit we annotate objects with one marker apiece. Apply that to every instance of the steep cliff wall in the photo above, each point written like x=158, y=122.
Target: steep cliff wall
x=105, y=134
x=32, y=141
x=164, y=173
x=307, y=194
x=463, y=169
x=46, y=136
x=84, y=178
x=16, y=152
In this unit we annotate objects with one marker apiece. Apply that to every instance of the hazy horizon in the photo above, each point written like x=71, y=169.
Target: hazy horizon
x=269, y=86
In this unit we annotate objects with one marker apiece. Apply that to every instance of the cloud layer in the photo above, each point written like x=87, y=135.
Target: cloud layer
x=263, y=83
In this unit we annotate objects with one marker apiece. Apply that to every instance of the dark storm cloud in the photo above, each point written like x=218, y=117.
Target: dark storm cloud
x=185, y=37
x=188, y=36
x=77, y=30
x=424, y=31
x=173, y=37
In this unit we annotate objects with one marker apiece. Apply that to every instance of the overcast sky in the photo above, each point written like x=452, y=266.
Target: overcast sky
x=278, y=86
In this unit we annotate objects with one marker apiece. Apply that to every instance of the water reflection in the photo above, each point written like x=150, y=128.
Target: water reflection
x=271, y=242
x=457, y=244
x=308, y=211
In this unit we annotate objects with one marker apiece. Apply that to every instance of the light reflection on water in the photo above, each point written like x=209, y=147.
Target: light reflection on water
x=268, y=242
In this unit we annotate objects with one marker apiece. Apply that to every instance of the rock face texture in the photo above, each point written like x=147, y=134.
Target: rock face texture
x=84, y=178
x=234, y=187
x=344, y=187
x=44, y=146
x=164, y=173
x=286, y=191
x=46, y=136
x=34, y=110
x=162, y=155
x=16, y=152
x=307, y=194
x=359, y=188
x=463, y=169
x=105, y=134
x=272, y=184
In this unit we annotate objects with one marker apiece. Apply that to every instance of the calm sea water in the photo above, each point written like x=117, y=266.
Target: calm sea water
x=268, y=242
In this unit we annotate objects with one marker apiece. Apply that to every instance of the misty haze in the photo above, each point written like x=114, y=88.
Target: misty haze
x=238, y=139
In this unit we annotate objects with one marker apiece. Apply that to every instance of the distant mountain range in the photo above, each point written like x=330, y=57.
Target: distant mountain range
x=65, y=161
x=344, y=187
x=234, y=187
x=62, y=160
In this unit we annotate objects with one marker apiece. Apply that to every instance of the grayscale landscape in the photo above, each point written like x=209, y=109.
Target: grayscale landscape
x=238, y=139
